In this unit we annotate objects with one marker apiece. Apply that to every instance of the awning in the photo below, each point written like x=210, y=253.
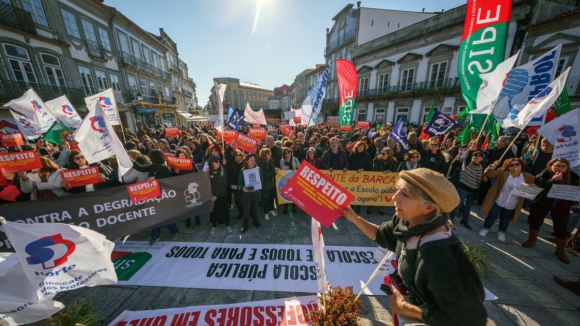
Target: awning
x=146, y=111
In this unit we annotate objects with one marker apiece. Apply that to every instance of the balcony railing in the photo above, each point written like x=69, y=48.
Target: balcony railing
x=10, y=90
x=176, y=68
x=137, y=63
x=182, y=91
x=96, y=50
x=572, y=86
x=17, y=18
x=349, y=35
x=131, y=97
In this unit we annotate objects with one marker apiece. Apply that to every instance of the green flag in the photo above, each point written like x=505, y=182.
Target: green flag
x=429, y=116
x=562, y=104
x=463, y=115
x=466, y=135
x=58, y=133
x=493, y=135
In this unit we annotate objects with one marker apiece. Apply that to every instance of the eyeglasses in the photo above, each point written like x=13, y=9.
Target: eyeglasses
x=414, y=156
x=560, y=166
x=384, y=153
x=79, y=158
x=514, y=165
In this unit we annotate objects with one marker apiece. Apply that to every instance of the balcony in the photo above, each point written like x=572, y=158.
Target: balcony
x=137, y=63
x=349, y=35
x=131, y=97
x=572, y=86
x=10, y=90
x=16, y=18
x=96, y=50
x=183, y=91
x=175, y=67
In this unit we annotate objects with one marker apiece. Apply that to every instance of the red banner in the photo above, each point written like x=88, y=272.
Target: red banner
x=172, y=131
x=363, y=125
x=81, y=177
x=142, y=191
x=13, y=162
x=228, y=136
x=480, y=14
x=288, y=131
x=184, y=164
x=256, y=126
x=246, y=143
x=12, y=140
x=3, y=181
x=332, y=121
x=297, y=120
x=347, y=90
x=317, y=194
x=345, y=128
x=259, y=133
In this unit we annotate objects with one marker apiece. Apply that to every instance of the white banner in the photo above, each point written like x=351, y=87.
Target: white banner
x=564, y=133
x=28, y=128
x=108, y=103
x=565, y=192
x=279, y=312
x=253, y=117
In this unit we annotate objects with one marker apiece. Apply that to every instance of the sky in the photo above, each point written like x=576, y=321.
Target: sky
x=266, y=42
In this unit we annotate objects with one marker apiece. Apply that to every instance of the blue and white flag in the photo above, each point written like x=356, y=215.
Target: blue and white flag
x=440, y=125
x=64, y=111
x=235, y=121
x=32, y=107
x=399, y=134
x=313, y=102
x=522, y=85
x=230, y=112
x=564, y=133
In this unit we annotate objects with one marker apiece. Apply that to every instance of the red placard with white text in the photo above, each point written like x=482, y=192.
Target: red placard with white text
x=246, y=143
x=175, y=162
x=12, y=140
x=297, y=119
x=363, y=125
x=259, y=133
x=172, y=131
x=228, y=136
x=287, y=131
x=81, y=177
x=256, y=126
x=316, y=194
x=344, y=128
x=142, y=191
x=13, y=162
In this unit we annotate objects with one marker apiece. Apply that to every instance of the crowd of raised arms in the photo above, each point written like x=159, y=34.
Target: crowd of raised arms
x=470, y=167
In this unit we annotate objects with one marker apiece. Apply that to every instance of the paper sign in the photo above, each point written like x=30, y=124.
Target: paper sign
x=343, y=128
x=174, y=162
x=525, y=191
x=142, y=191
x=565, y=192
x=172, y=131
x=228, y=136
x=363, y=125
x=81, y=177
x=13, y=162
x=332, y=121
x=12, y=140
x=246, y=143
x=259, y=133
x=386, y=268
x=289, y=115
x=252, y=178
x=316, y=194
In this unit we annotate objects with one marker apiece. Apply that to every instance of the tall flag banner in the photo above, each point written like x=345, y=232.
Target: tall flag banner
x=493, y=136
x=466, y=134
x=347, y=90
x=98, y=141
x=220, y=92
x=430, y=114
x=563, y=132
x=31, y=106
x=523, y=84
x=108, y=103
x=64, y=111
x=440, y=125
x=59, y=134
x=483, y=44
x=318, y=255
x=562, y=104
x=399, y=134
x=54, y=253
x=230, y=112
x=313, y=102
x=235, y=121
x=253, y=117
x=28, y=127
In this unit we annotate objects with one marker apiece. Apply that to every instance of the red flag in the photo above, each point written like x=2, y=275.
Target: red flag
x=347, y=90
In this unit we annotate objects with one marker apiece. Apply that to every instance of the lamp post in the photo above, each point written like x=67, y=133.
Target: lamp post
x=139, y=97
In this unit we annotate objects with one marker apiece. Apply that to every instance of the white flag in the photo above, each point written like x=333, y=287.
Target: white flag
x=64, y=111
x=313, y=102
x=220, y=91
x=564, y=133
x=32, y=106
x=18, y=301
x=98, y=141
x=28, y=128
x=253, y=117
x=538, y=106
x=61, y=257
x=492, y=85
x=106, y=100
x=318, y=254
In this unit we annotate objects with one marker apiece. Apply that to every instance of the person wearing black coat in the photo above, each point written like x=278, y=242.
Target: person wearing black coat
x=234, y=162
x=359, y=160
x=160, y=170
x=335, y=158
x=219, y=187
x=433, y=159
x=387, y=163
x=76, y=160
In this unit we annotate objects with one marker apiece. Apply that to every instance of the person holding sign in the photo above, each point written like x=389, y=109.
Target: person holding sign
x=268, y=170
x=76, y=160
x=43, y=183
x=250, y=198
x=443, y=287
x=160, y=170
x=219, y=186
x=557, y=172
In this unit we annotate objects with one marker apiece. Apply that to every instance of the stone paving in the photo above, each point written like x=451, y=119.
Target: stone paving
x=522, y=278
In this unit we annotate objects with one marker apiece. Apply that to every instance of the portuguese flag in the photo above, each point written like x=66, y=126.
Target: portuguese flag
x=347, y=90
x=483, y=44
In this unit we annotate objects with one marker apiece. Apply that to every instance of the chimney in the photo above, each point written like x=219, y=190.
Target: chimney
x=327, y=30
x=442, y=10
x=423, y=10
x=358, y=4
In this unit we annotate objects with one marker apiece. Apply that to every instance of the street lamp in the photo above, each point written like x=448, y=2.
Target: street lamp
x=139, y=97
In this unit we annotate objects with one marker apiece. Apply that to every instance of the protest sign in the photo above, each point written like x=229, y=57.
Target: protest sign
x=174, y=162
x=368, y=188
x=16, y=161
x=316, y=194
x=287, y=131
x=256, y=126
x=363, y=125
x=228, y=136
x=387, y=267
x=9, y=193
x=145, y=190
x=110, y=211
x=258, y=133
x=81, y=177
x=289, y=115
x=252, y=178
x=565, y=192
x=12, y=140
x=297, y=120
x=278, y=312
x=332, y=121
x=344, y=128
x=246, y=143
x=172, y=131
x=526, y=191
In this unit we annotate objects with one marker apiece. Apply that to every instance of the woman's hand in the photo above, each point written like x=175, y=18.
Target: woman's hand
x=533, y=185
x=348, y=213
x=485, y=179
x=214, y=198
x=176, y=171
x=344, y=170
x=66, y=146
x=276, y=169
x=557, y=177
x=246, y=189
x=150, y=179
x=101, y=176
x=495, y=164
x=396, y=301
x=330, y=170
x=64, y=183
x=34, y=185
x=385, y=172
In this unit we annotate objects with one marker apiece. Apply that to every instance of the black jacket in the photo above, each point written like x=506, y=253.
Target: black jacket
x=380, y=165
x=219, y=181
x=343, y=156
x=159, y=171
x=360, y=161
x=105, y=170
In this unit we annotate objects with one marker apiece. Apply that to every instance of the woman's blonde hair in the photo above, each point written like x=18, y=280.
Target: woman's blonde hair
x=133, y=154
x=415, y=192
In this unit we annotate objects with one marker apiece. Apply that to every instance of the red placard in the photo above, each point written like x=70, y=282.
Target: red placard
x=3, y=181
x=256, y=126
x=316, y=194
x=228, y=136
x=174, y=162
x=81, y=177
x=246, y=143
x=12, y=140
x=343, y=128
x=297, y=119
x=259, y=133
x=13, y=162
x=363, y=125
x=142, y=191
x=172, y=131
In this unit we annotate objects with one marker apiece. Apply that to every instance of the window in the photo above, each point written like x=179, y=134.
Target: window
x=123, y=42
x=146, y=54
x=53, y=70
x=143, y=87
x=20, y=63
x=426, y=113
x=87, y=79
x=460, y=109
x=90, y=34
x=402, y=112
x=285, y=103
x=136, y=49
x=115, y=82
x=363, y=86
x=101, y=80
x=380, y=116
x=383, y=84
x=153, y=89
x=132, y=83
x=105, y=39
x=437, y=77
x=70, y=22
x=341, y=36
x=562, y=63
x=274, y=105
x=35, y=8
x=361, y=115
x=406, y=83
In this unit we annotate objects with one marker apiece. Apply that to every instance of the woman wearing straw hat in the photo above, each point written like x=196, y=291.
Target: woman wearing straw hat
x=443, y=285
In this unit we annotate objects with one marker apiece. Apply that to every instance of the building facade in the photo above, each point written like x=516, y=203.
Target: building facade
x=281, y=100
x=238, y=93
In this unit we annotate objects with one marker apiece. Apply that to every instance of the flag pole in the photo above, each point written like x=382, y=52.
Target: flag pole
x=483, y=127
x=513, y=141
x=387, y=256
x=538, y=139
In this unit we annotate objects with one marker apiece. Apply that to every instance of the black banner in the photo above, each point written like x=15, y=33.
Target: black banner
x=110, y=211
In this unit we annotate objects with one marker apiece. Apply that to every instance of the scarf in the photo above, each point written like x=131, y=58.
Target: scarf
x=404, y=232
x=411, y=167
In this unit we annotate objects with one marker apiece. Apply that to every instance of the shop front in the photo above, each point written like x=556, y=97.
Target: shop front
x=147, y=117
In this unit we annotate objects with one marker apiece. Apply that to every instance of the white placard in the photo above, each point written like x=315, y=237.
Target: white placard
x=526, y=191
x=252, y=178
x=387, y=268
x=565, y=192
